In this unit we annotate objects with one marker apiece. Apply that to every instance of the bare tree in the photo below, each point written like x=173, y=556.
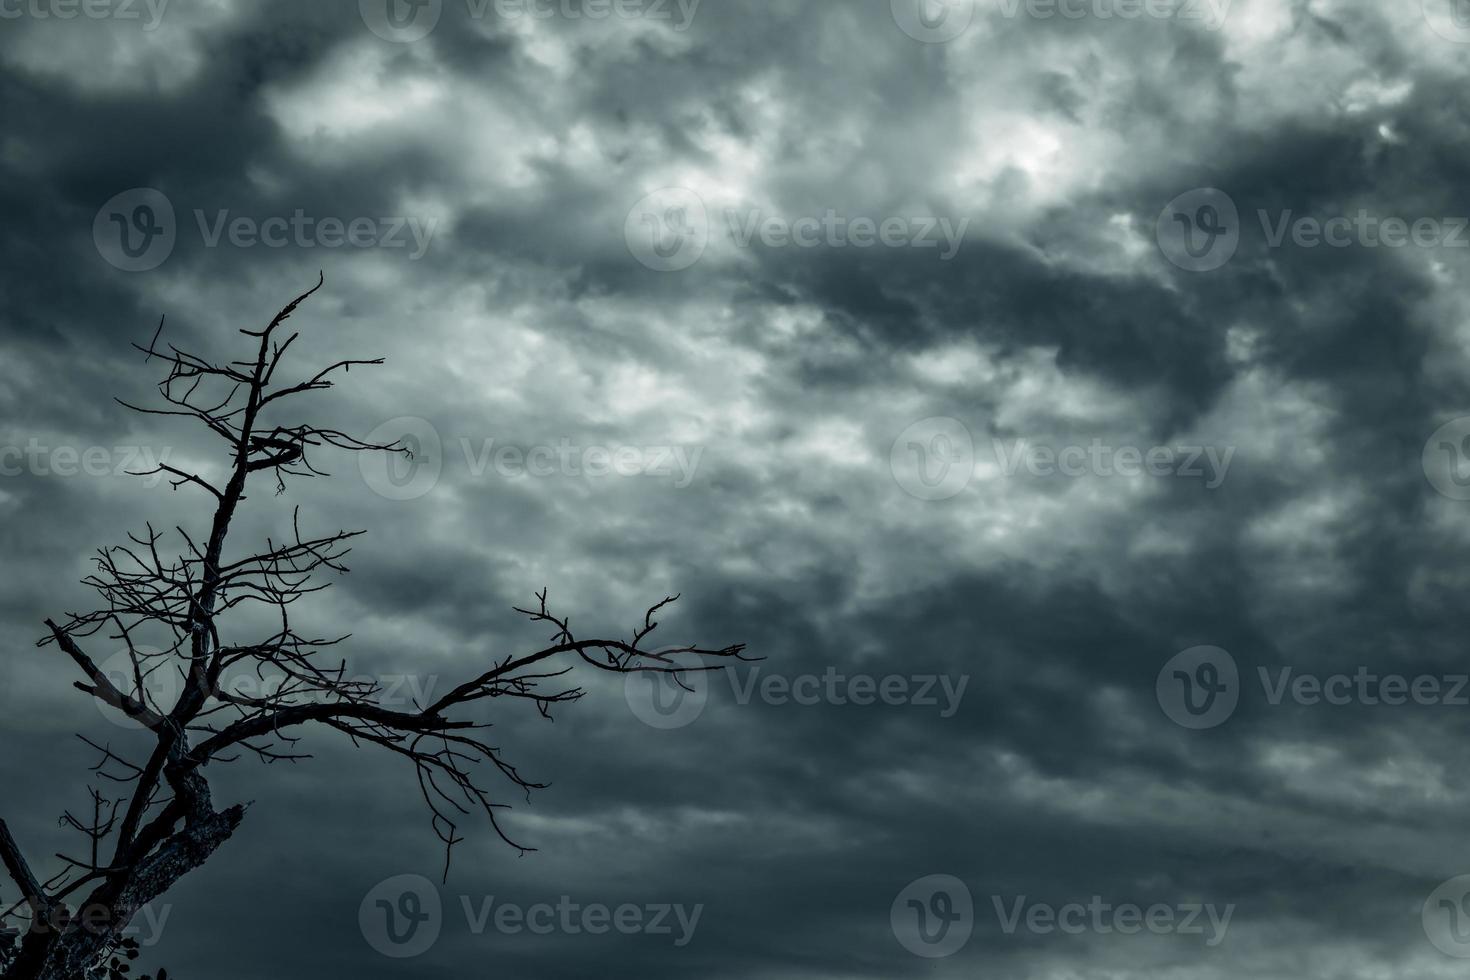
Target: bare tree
x=163, y=822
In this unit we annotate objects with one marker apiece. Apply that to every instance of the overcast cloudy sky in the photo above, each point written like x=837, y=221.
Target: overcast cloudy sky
x=1067, y=398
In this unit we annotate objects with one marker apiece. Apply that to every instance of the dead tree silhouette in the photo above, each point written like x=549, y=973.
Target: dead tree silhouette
x=165, y=823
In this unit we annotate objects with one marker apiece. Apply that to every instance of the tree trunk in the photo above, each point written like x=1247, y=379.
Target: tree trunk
x=69, y=954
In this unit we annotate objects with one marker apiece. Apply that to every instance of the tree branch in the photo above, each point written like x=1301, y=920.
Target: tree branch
x=20, y=873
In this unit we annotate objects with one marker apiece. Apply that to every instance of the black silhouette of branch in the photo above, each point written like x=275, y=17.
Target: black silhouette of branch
x=165, y=824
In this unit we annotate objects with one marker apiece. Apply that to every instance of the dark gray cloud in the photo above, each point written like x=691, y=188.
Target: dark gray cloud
x=798, y=405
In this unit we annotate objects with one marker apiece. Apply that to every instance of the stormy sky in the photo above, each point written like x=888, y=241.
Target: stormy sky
x=1067, y=399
